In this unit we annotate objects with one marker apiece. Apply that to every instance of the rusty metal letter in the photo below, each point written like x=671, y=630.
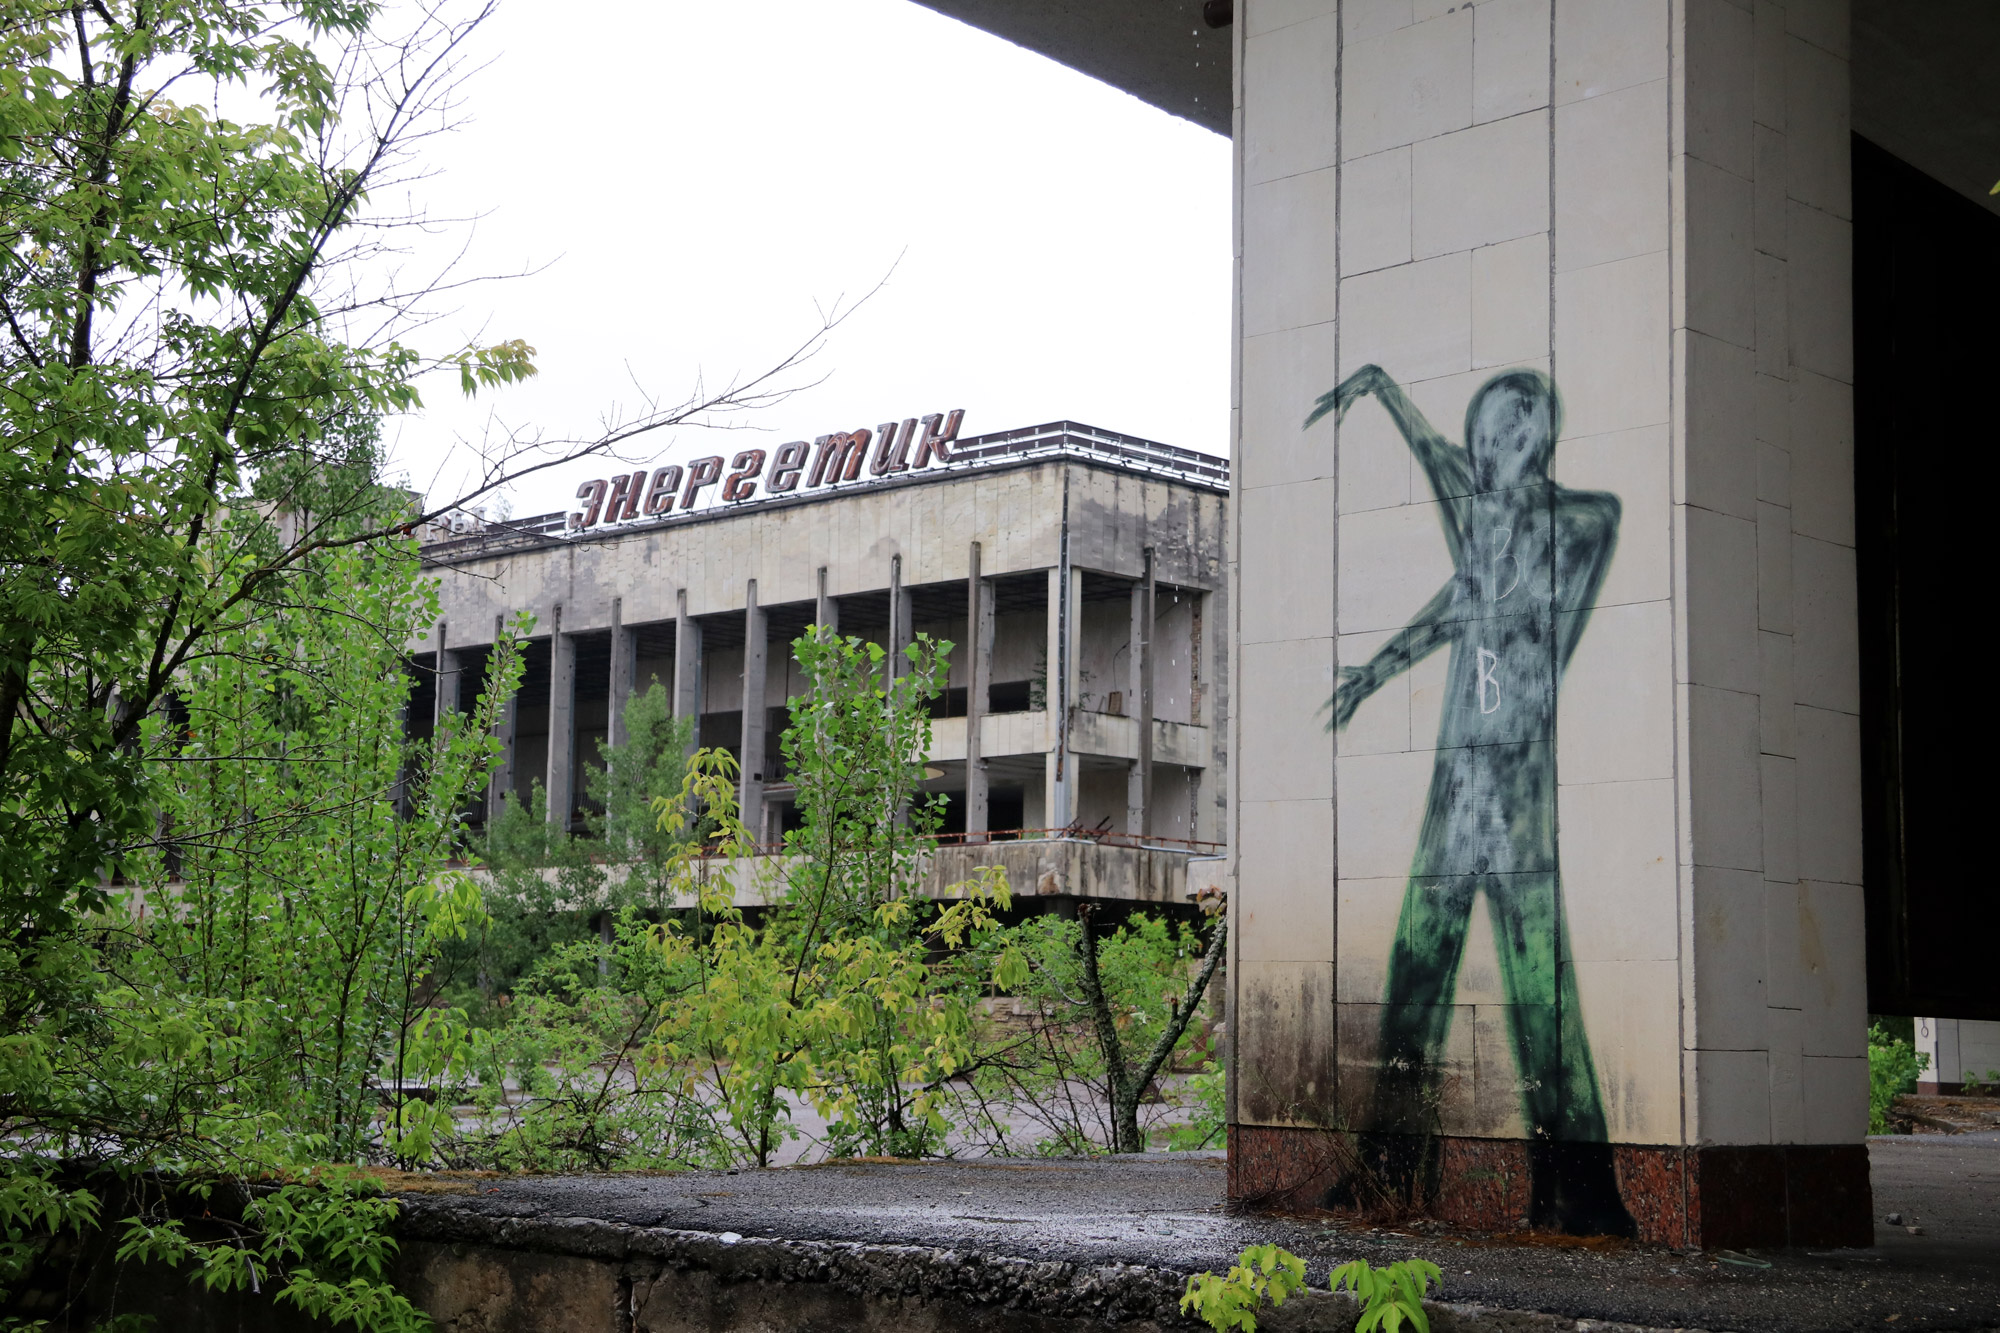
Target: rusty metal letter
x=937, y=443
x=615, y=502
x=742, y=483
x=632, y=496
x=786, y=465
x=905, y=437
x=701, y=472
x=592, y=495
x=853, y=454
x=884, y=461
x=825, y=444
x=666, y=482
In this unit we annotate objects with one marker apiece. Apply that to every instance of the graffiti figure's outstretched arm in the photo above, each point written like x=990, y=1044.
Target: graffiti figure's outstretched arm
x=1424, y=635
x=1445, y=464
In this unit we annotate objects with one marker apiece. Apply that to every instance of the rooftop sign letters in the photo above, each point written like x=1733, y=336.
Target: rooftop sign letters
x=892, y=447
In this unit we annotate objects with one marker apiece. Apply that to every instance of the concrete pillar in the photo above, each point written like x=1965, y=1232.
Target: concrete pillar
x=978, y=678
x=1210, y=702
x=1139, y=781
x=504, y=725
x=898, y=621
x=1059, y=781
x=750, y=798
x=826, y=610
x=1543, y=463
x=449, y=673
x=623, y=664
x=561, y=781
x=687, y=667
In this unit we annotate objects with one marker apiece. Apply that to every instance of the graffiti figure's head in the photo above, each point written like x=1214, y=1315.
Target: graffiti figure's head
x=1510, y=430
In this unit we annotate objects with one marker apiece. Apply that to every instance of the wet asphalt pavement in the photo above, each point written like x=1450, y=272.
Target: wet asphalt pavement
x=1166, y=1211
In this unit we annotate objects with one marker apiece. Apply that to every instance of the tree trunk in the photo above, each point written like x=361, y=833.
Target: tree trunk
x=1124, y=1084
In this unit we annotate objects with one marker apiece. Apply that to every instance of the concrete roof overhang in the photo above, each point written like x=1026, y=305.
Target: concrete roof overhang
x=1927, y=88
x=1160, y=51
x=1926, y=73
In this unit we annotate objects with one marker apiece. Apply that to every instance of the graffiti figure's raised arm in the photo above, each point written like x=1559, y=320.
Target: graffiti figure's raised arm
x=1424, y=635
x=1445, y=464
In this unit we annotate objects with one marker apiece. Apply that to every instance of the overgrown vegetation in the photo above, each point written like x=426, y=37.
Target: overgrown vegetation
x=730, y=994
x=1893, y=1066
x=1047, y=1080
x=189, y=481
x=220, y=898
x=549, y=891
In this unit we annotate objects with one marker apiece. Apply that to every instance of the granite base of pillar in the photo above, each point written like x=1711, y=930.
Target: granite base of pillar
x=1706, y=1197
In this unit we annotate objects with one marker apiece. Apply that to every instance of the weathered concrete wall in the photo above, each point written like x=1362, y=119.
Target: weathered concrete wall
x=580, y=1276
x=1580, y=860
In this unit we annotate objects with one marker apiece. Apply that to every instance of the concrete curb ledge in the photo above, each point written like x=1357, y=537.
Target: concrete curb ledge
x=478, y=1273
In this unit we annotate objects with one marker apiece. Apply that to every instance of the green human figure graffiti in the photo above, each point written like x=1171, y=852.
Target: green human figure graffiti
x=1529, y=557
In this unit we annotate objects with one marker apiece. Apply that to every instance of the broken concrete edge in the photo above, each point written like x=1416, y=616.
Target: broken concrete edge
x=1115, y=1293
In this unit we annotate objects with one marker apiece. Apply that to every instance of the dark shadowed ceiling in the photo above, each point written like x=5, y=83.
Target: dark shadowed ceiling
x=1159, y=51
x=1927, y=88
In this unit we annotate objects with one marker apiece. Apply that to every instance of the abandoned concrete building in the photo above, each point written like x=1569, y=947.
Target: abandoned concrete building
x=1077, y=573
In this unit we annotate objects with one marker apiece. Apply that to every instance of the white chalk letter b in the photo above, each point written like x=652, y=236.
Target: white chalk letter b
x=1488, y=660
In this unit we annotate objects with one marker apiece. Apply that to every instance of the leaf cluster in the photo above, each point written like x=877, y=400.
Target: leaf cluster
x=1262, y=1272
x=1390, y=1296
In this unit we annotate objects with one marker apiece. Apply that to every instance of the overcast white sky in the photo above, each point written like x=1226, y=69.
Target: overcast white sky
x=696, y=177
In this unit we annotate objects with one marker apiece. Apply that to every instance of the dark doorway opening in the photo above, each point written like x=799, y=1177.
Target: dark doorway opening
x=1927, y=357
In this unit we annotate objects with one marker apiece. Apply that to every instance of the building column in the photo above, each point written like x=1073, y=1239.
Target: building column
x=501, y=784
x=826, y=610
x=687, y=668
x=978, y=678
x=896, y=667
x=449, y=671
x=750, y=799
x=1065, y=601
x=622, y=667
x=1139, y=780
x=1549, y=372
x=559, y=784
x=1209, y=700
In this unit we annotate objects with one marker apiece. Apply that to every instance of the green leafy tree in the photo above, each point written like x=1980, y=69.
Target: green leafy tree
x=545, y=892
x=184, y=427
x=178, y=295
x=1087, y=995
x=905, y=975
x=290, y=914
x=648, y=766
x=261, y=988
x=550, y=890
x=192, y=372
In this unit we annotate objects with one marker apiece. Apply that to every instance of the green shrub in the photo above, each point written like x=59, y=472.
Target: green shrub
x=1390, y=1296
x=1893, y=1066
x=1232, y=1301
